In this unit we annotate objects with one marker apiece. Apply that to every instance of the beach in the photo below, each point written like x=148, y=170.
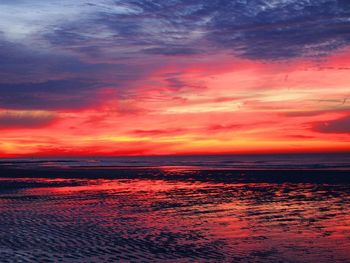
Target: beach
x=173, y=214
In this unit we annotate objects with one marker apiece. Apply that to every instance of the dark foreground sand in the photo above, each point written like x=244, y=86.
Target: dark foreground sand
x=170, y=215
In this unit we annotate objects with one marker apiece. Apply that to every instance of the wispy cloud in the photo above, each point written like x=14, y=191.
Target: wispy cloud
x=341, y=125
x=26, y=119
x=258, y=29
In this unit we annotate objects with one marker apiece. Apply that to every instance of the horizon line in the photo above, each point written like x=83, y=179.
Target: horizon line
x=175, y=155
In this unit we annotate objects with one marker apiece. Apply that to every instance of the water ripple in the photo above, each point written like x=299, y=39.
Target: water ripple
x=132, y=220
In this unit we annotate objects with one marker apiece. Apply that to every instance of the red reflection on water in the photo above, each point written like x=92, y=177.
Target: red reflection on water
x=275, y=222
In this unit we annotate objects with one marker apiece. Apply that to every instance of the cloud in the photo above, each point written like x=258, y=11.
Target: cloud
x=224, y=128
x=263, y=29
x=341, y=125
x=20, y=63
x=37, y=79
x=172, y=50
x=61, y=59
x=257, y=29
x=159, y=132
x=49, y=95
x=25, y=119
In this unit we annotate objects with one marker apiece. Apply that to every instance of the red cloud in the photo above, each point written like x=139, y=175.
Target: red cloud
x=158, y=132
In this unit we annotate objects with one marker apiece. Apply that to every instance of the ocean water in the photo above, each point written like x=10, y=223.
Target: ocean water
x=151, y=220
x=336, y=161
x=186, y=215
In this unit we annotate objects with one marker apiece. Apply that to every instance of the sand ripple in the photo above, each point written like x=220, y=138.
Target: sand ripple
x=174, y=221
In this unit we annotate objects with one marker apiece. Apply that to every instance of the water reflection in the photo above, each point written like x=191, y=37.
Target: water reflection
x=180, y=221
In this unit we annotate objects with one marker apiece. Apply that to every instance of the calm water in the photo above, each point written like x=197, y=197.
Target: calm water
x=281, y=161
x=152, y=220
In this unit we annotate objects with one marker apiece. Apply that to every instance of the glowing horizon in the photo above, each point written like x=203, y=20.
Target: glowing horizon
x=174, y=77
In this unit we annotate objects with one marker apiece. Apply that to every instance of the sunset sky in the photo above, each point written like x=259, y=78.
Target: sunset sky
x=154, y=77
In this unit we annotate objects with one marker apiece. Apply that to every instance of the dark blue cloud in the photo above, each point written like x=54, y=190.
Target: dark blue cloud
x=281, y=29
x=172, y=50
x=52, y=95
x=19, y=63
x=257, y=29
x=63, y=62
x=150, y=27
x=36, y=79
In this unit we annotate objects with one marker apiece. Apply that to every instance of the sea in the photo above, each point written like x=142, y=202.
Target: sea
x=329, y=161
x=175, y=209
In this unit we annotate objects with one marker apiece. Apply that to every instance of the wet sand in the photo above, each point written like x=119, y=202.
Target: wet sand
x=174, y=215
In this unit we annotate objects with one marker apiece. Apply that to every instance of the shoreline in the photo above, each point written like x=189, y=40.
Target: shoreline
x=321, y=176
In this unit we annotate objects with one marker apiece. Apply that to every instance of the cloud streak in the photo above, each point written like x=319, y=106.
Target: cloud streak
x=65, y=94
x=341, y=125
x=26, y=119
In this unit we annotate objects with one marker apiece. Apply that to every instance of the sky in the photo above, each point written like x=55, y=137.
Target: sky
x=164, y=77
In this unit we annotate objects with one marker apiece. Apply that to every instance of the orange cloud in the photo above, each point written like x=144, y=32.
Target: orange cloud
x=212, y=104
